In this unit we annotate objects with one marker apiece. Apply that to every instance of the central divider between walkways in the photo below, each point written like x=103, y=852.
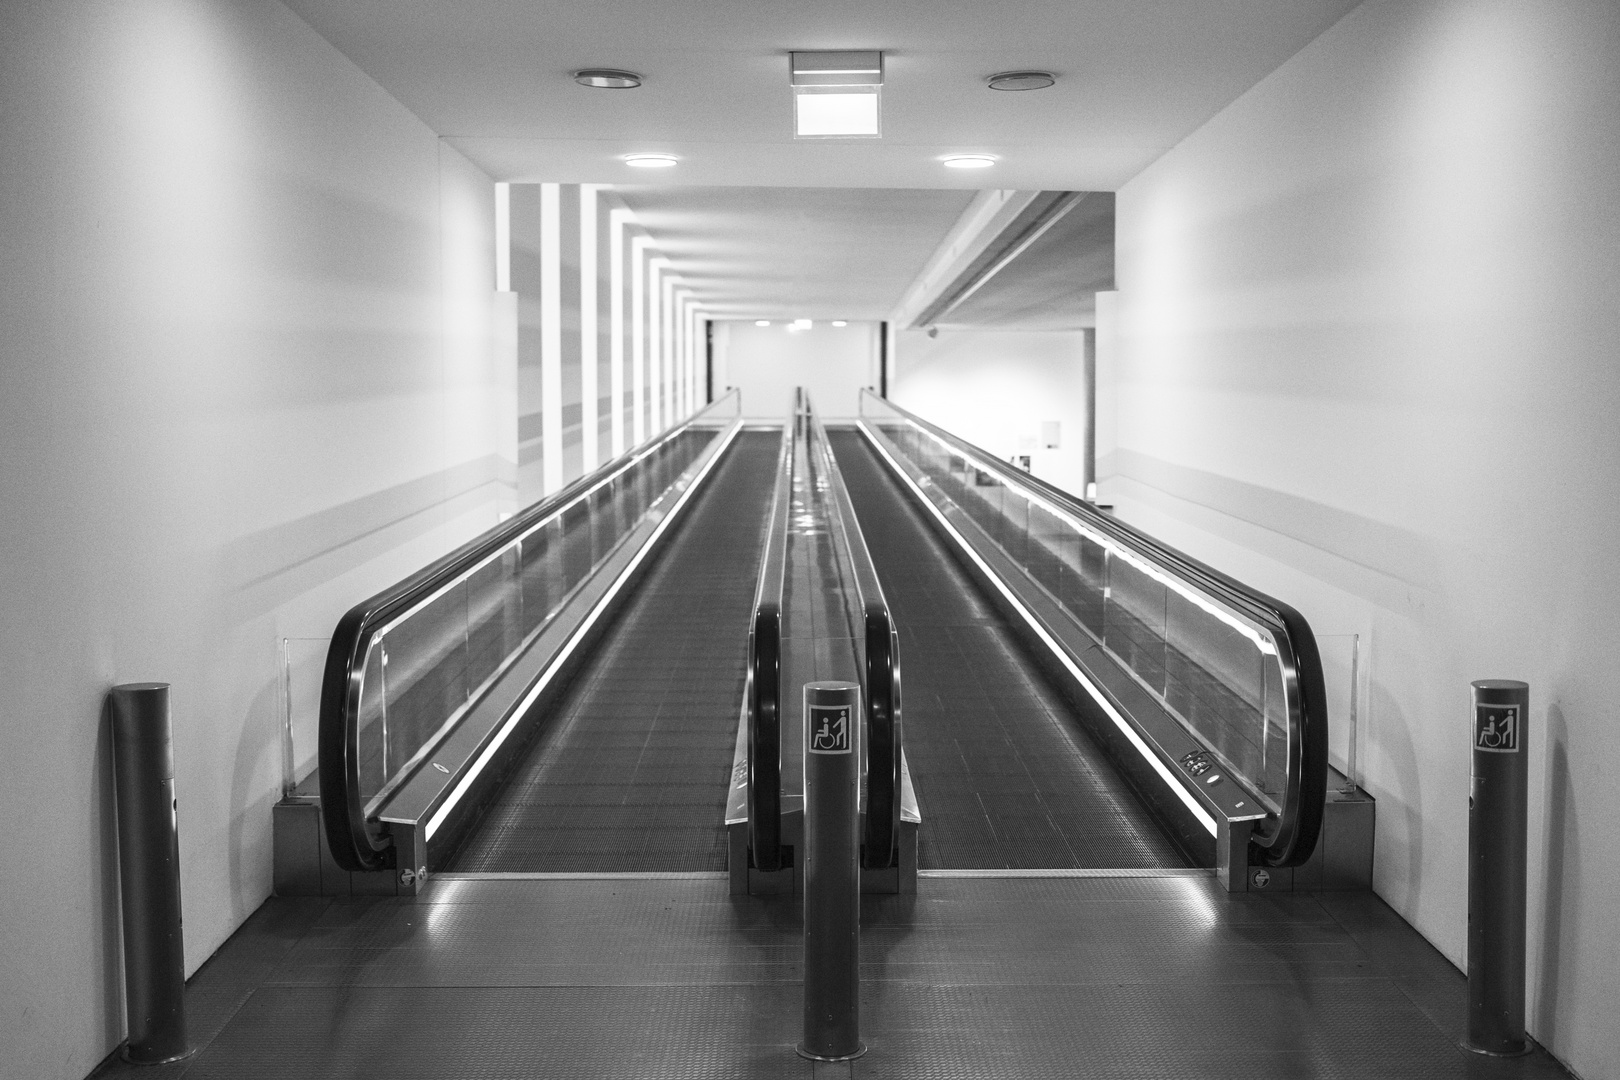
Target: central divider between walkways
x=820, y=615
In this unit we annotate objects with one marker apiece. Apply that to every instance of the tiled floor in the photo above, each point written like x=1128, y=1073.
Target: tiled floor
x=1108, y=976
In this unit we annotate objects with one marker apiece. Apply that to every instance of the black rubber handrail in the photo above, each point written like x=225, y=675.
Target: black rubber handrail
x=1291, y=837
x=765, y=674
x=357, y=844
x=880, y=671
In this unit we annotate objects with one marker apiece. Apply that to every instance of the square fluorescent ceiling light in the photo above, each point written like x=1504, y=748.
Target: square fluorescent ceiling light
x=836, y=95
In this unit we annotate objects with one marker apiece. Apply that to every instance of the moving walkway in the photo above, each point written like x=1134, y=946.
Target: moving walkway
x=559, y=695
x=1204, y=696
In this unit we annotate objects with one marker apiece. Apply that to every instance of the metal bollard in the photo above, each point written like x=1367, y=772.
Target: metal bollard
x=832, y=884
x=149, y=873
x=1496, y=869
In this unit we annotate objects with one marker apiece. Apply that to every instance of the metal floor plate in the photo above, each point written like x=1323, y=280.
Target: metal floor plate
x=1004, y=776
x=633, y=770
x=972, y=977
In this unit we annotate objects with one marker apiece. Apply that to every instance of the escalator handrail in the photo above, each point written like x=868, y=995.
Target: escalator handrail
x=880, y=670
x=764, y=677
x=354, y=845
x=1292, y=837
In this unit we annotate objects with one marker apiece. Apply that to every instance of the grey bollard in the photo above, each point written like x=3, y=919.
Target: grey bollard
x=1497, y=809
x=149, y=873
x=832, y=883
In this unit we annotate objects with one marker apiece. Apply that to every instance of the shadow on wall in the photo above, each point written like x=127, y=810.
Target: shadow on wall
x=1385, y=564
x=1399, y=794
x=1560, y=883
x=275, y=565
x=258, y=755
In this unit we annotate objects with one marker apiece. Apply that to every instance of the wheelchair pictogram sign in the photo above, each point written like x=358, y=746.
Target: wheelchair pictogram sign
x=1496, y=729
x=829, y=730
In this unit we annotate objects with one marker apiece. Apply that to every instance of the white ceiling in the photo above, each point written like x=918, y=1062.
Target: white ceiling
x=783, y=253
x=1053, y=283
x=1134, y=78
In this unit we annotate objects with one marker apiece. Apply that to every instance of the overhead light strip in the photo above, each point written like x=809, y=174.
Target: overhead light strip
x=836, y=95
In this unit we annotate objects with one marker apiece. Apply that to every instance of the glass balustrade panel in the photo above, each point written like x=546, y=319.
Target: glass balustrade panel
x=1051, y=550
x=1273, y=777
x=1215, y=681
x=1216, y=670
x=426, y=675
x=303, y=668
x=1134, y=620
x=1085, y=584
x=370, y=729
x=494, y=615
x=537, y=574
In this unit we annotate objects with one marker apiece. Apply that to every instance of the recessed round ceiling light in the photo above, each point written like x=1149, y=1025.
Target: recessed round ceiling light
x=968, y=161
x=840, y=322
x=607, y=78
x=762, y=322
x=1021, y=80
x=650, y=161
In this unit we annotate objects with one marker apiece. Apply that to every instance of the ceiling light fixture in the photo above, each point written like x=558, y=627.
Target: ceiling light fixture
x=840, y=322
x=607, y=78
x=762, y=322
x=799, y=324
x=650, y=161
x=836, y=94
x=968, y=161
x=1021, y=80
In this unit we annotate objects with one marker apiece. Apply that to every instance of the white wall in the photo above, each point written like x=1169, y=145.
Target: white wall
x=994, y=388
x=1367, y=360
x=245, y=380
x=765, y=363
x=576, y=296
